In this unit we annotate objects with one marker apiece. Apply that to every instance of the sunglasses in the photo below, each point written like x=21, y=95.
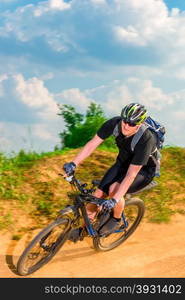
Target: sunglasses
x=130, y=124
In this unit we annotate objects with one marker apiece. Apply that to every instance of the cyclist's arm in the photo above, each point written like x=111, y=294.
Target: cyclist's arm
x=104, y=132
x=88, y=149
x=127, y=181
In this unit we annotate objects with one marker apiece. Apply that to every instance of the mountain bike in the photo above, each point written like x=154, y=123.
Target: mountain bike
x=50, y=240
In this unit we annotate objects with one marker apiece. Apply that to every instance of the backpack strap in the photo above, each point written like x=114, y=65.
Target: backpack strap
x=136, y=138
x=138, y=135
x=117, y=129
x=156, y=160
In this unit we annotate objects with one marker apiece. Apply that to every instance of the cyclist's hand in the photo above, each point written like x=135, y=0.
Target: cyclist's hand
x=109, y=204
x=69, y=168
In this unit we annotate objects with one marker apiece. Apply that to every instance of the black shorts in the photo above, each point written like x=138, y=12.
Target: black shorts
x=117, y=173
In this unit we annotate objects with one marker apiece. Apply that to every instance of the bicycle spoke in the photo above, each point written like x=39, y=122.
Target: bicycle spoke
x=133, y=213
x=42, y=247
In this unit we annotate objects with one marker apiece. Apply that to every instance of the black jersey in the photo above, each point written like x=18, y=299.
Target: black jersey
x=141, y=154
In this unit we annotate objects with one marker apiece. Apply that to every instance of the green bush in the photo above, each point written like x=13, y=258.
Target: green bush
x=82, y=128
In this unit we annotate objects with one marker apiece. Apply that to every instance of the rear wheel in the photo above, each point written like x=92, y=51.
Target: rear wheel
x=133, y=211
x=44, y=246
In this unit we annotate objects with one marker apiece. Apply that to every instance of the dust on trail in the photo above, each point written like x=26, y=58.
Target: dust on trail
x=154, y=250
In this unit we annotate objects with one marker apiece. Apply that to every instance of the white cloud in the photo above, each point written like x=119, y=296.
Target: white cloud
x=180, y=73
x=55, y=43
x=106, y=53
x=168, y=108
x=5, y=141
x=117, y=98
x=146, y=23
x=3, y=77
x=58, y=4
x=130, y=35
x=47, y=76
x=144, y=92
x=28, y=115
x=33, y=137
x=50, y=5
x=42, y=131
x=99, y=2
x=118, y=93
x=35, y=95
x=43, y=134
x=179, y=115
x=75, y=98
x=11, y=136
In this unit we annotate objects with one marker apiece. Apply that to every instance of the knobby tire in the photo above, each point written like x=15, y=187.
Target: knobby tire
x=103, y=244
x=45, y=236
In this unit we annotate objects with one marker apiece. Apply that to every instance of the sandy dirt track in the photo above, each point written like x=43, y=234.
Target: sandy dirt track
x=154, y=250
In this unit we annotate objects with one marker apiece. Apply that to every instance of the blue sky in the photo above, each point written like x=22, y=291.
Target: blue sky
x=73, y=52
x=175, y=3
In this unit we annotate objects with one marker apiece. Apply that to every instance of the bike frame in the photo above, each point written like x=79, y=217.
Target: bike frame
x=79, y=206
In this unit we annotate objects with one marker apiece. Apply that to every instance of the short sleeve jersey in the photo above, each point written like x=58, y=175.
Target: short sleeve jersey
x=141, y=154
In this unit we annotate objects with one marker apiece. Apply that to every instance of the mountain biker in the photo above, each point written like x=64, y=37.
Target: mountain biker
x=131, y=171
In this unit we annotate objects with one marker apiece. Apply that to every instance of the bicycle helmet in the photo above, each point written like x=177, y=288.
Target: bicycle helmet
x=134, y=113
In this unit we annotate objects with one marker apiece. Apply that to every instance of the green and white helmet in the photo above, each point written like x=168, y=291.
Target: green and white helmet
x=134, y=113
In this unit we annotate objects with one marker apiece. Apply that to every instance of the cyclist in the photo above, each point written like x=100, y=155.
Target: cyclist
x=132, y=170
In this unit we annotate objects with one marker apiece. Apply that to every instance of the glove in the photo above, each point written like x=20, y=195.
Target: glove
x=109, y=204
x=69, y=168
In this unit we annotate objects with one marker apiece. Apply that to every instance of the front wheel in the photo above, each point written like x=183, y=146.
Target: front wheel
x=133, y=211
x=44, y=246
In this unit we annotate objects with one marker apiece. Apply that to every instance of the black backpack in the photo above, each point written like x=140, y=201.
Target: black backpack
x=157, y=129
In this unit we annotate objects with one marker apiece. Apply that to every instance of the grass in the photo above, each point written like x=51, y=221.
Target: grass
x=5, y=221
x=12, y=171
x=163, y=201
x=30, y=185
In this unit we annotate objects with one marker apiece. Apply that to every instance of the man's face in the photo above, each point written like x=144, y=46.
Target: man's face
x=129, y=130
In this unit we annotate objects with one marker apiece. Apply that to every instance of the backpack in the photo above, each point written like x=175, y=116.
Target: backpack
x=159, y=131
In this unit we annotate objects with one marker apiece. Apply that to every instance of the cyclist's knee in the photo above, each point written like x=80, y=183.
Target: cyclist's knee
x=91, y=210
x=113, y=189
x=98, y=193
x=91, y=207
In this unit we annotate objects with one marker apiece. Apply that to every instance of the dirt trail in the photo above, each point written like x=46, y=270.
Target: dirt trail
x=154, y=250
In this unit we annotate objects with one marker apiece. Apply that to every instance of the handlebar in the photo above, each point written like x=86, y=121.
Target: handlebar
x=85, y=192
x=80, y=186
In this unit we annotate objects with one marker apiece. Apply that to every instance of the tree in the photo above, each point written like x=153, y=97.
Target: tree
x=71, y=117
x=81, y=128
